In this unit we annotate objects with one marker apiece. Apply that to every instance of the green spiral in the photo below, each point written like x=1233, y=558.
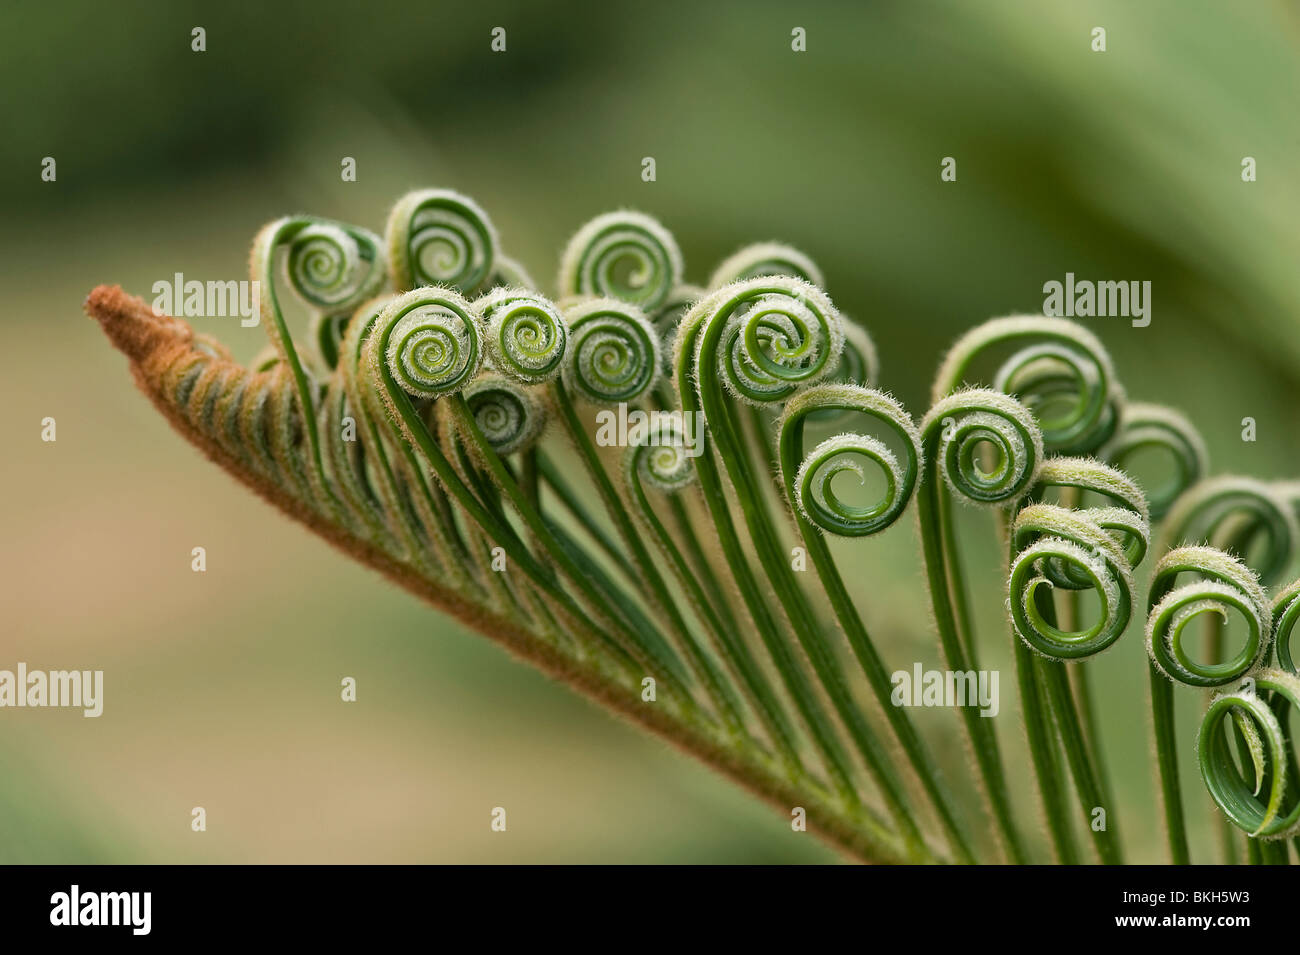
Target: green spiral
x=330, y=266
x=1058, y=369
x=1254, y=710
x=613, y=353
x=439, y=237
x=1056, y=547
x=623, y=255
x=430, y=341
x=325, y=266
x=510, y=416
x=660, y=458
x=809, y=478
x=766, y=258
x=526, y=336
x=1244, y=510
x=1124, y=514
x=1224, y=585
x=764, y=338
x=1148, y=427
x=974, y=418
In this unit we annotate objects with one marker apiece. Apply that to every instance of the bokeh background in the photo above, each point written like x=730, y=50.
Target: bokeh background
x=223, y=688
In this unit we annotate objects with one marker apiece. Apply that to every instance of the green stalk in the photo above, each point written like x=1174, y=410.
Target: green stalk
x=645, y=642
x=566, y=496
x=1039, y=731
x=724, y=429
x=1162, y=721
x=982, y=739
x=1057, y=682
x=725, y=636
x=873, y=667
x=719, y=692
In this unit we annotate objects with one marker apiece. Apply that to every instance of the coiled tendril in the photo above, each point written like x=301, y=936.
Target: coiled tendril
x=1124, y=514
x=1225, y=585
x=328, y=265
x=766, y=258
x=510, y=416
x=967, y=421
x=326, y=268
x=624, y=255
x=810, y=487
x=526, y=335
x=1147, y=427
x=431, y=342
x=1245, y=511
x=764, y=338
x=439, y=237
x=613, y=352
x=1254, y=708
x=660, y=456
x=1059, y=370
x=1057, y=547
x=332, y=267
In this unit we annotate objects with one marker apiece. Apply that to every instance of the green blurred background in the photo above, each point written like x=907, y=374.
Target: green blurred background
x=222, y=689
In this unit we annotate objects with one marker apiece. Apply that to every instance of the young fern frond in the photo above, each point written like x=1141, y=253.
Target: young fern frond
x=437, y=424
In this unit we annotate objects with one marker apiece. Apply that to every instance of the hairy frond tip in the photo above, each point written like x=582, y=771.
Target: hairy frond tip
x=440, y=237
x=1045, y=362
x=624, y=255
x=765, y=259
x=966, y=419
x=133, y=327
x=1221, y=584
x=1251, y=709
x=951, y=373
x=526, y=336
x=1097, y=477
x=1143, y=424
x=613, y=353
x=432, y=340
x=836, y=455
x=803, y=337
x=1060, y=548
x=1208, y=506
x=660, y=460
x=508, y=414
x=810, y=487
